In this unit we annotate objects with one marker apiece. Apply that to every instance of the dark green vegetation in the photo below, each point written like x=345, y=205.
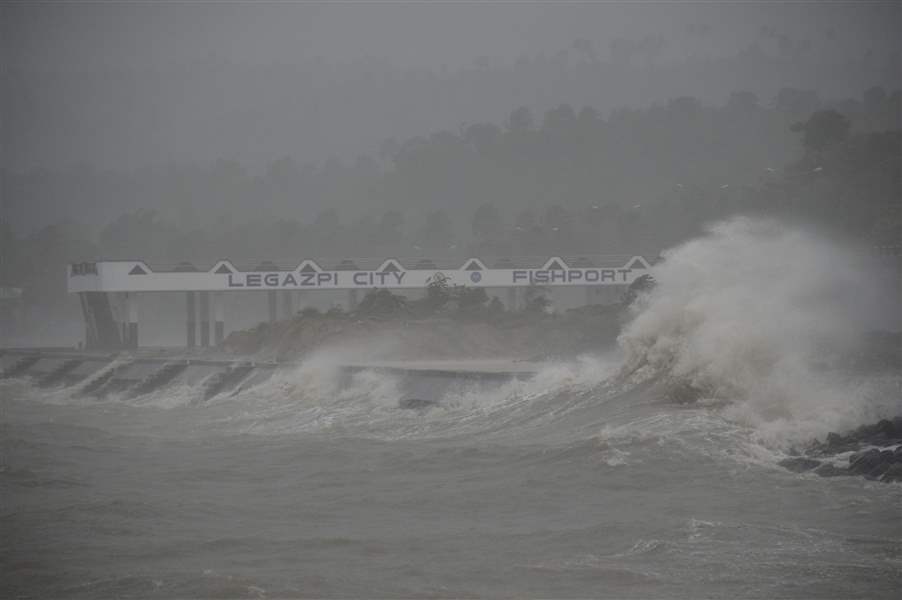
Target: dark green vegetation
x=459, y=301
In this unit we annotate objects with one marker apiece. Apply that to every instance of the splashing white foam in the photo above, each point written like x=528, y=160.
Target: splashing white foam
x=750, y=313
x=319, y=395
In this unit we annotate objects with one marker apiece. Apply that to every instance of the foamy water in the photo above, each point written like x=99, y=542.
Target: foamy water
x=753, y=314
x=584, y=481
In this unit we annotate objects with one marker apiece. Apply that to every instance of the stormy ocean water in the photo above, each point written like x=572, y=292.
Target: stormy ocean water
x=595, y=478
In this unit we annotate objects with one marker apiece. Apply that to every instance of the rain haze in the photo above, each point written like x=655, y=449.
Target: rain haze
x=127, y=85
x=451, y=299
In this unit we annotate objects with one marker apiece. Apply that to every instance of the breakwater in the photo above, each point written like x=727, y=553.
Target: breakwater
x=137, y=374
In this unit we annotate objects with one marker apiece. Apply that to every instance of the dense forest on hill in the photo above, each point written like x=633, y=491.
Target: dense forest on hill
x=125, y=116
x=566, y=182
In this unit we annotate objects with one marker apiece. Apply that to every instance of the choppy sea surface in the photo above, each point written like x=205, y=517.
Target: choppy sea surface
x=588, y=480
x=563, y=486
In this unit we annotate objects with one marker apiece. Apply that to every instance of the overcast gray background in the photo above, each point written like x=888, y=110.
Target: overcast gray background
x=125, y=85
x=82, y=35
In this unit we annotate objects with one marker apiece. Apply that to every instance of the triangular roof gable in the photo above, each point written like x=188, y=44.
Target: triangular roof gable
x=308, y=266
x=223, y=267
x=555, y=263
x=474, y=264
x=139, y=269
x=637, y=262
x=390, y=266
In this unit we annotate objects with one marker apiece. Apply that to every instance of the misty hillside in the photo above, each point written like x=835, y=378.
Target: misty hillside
x=313, y=110
x=423, y=191
x=571, y=183
x=188, y=133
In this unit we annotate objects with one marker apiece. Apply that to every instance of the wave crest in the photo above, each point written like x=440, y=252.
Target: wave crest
x=757, y=314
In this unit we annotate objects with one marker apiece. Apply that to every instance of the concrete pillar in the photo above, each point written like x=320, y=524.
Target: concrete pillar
x=131, y=301
x=287, y=304
x=190, y=322
x=271, y=298
x=352, y=300
x=219, y=317
x=120, y=302
x=90, y=331
x=204, y=298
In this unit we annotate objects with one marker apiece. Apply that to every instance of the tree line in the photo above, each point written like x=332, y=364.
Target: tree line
x=569, y=183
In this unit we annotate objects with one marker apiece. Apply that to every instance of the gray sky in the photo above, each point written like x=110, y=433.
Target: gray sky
x=128, y=84
x=87, y=34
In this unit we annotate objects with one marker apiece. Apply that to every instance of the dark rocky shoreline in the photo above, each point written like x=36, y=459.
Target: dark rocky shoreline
x=876, y=453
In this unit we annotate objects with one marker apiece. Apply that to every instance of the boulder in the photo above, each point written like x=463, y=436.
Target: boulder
x=880, y=433
x=894, y=473
x=886, y=461
x=882, y=463
x=862, y=462
x=836, y=443
x=882, y=467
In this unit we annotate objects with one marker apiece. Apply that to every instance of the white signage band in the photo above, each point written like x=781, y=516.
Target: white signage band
x=137, y=276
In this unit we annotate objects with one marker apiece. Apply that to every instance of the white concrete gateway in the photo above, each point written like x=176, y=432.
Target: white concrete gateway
x=93, y=281
x=225, y=276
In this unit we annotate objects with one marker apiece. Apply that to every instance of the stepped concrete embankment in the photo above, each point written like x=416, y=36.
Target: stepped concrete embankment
x=140, y=373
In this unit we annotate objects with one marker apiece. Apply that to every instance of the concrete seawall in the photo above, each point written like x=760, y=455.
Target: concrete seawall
x=139, y=373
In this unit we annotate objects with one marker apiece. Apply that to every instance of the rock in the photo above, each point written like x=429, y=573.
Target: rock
x=894, y=473
x=799, y=465
x=416, y=403
x=884, y=464
x=861, y=463
x=886, y=461
x=880, y=433
x=830, y=470
x=835, y=444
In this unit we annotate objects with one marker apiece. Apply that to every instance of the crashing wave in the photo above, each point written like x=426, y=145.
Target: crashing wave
x=758, y=315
